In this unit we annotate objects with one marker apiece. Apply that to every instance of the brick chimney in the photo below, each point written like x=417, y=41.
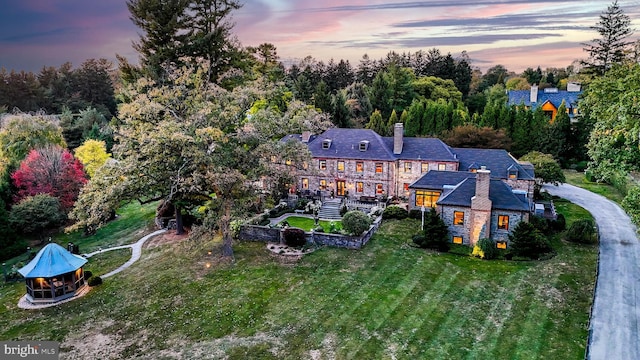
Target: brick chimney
x=398, y=133
x=534, y=93
x=306, y=135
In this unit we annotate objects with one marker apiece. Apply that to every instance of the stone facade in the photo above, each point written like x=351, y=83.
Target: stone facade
x=465, y=231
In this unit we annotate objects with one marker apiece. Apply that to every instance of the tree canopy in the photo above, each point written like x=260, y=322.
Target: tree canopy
x=190, y=142
x=613, y=44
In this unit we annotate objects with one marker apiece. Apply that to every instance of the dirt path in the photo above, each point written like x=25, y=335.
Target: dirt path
x=615, y=317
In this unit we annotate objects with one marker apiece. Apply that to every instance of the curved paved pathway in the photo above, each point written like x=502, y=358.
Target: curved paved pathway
x=615, y=317
x=136, y=251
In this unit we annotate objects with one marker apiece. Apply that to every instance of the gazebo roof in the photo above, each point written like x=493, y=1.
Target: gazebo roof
x=52, y=260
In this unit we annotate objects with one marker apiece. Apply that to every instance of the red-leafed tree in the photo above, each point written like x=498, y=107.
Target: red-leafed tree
x=50, y=170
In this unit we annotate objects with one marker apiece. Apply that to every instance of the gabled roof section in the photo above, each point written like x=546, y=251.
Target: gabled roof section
x=345, y=143
x=500, y=194
x=436, y=180
x=498, y=161
x=416, y=148
x=52, y=260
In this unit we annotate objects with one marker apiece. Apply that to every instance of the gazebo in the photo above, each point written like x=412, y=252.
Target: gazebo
x=54, y=274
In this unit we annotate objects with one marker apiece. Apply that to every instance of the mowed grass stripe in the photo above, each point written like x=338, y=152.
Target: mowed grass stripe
x=492, y=330
x=411, y=308
x=386, y=307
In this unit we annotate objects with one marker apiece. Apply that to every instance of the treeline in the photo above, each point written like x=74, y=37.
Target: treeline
x=56, y=90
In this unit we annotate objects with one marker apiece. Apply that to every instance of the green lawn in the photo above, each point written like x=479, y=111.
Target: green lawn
x=307, y=224
x=388, y=300
x=578, y=179
x=132, y=223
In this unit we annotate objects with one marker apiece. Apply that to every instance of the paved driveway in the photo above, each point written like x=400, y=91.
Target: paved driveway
x=615, y=319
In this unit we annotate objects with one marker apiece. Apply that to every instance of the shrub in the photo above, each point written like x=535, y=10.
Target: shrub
x=631, y=204
x=528, y=242
x=95, y=281
x=415, y=214
x=559, y=224
x=435, y=234
x=356, y=222
x=302, y=204
x=35, y=214
x=488, y=248
x=318, y=229
x=582, y=231
x=88, y=274
x=343, y=210
x=294, y=237
x=394, y=212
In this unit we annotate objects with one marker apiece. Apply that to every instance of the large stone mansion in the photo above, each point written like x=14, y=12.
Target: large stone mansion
x=360, y=164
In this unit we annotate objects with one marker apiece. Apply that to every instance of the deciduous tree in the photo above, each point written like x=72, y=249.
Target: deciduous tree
x=92, y=154
x=49, y=170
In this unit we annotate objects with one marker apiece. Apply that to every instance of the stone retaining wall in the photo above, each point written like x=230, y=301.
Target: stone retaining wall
x=267, y=234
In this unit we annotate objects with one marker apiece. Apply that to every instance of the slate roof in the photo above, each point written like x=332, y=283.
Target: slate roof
x=523, y=97
x=436, y=180
x=500, y=194
x=345, y=144
x=496, y=160
x=52, y=260
x=416, y=148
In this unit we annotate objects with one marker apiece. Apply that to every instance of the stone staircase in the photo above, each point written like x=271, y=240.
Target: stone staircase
x=330, y=209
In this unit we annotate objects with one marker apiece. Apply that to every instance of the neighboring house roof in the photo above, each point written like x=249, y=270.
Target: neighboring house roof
x=436, y=180
x=523, y=97
x=52, y=260
x=345, y=144
x=500, y=194
x=416, y=148
x=498, y=161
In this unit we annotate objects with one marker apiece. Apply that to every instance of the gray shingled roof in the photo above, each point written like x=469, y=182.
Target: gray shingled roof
x=416, y=148
x=523, y=97
x=345, y=144
x=496, y=160
x=500, y=194
x=435, y=180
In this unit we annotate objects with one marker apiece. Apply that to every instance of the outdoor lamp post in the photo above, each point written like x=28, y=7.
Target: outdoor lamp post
x=422, y=210
x=4, y=271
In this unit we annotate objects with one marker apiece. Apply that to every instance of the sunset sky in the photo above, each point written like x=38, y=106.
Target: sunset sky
x=515, y=33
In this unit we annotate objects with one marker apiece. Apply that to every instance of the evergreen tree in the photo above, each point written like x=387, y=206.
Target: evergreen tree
x=322, y=98
x=161, y=41
x=414, y=118
x=380, y=94
x=340, y=112
x=393, y=119
x=612, y=47
x=376, y=123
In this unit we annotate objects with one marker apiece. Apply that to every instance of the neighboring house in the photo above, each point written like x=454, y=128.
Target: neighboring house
x=473, y=204
x=548, y=99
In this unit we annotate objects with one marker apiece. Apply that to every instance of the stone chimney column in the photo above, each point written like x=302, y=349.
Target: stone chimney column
x=483, y=180
x=534, y=93
x=398, y=134
x=481, y=207
x=306, y=135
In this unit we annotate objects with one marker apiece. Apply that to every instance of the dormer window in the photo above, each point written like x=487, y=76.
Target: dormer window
x=512, y=172
x=364, y=145
x=326, y=143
